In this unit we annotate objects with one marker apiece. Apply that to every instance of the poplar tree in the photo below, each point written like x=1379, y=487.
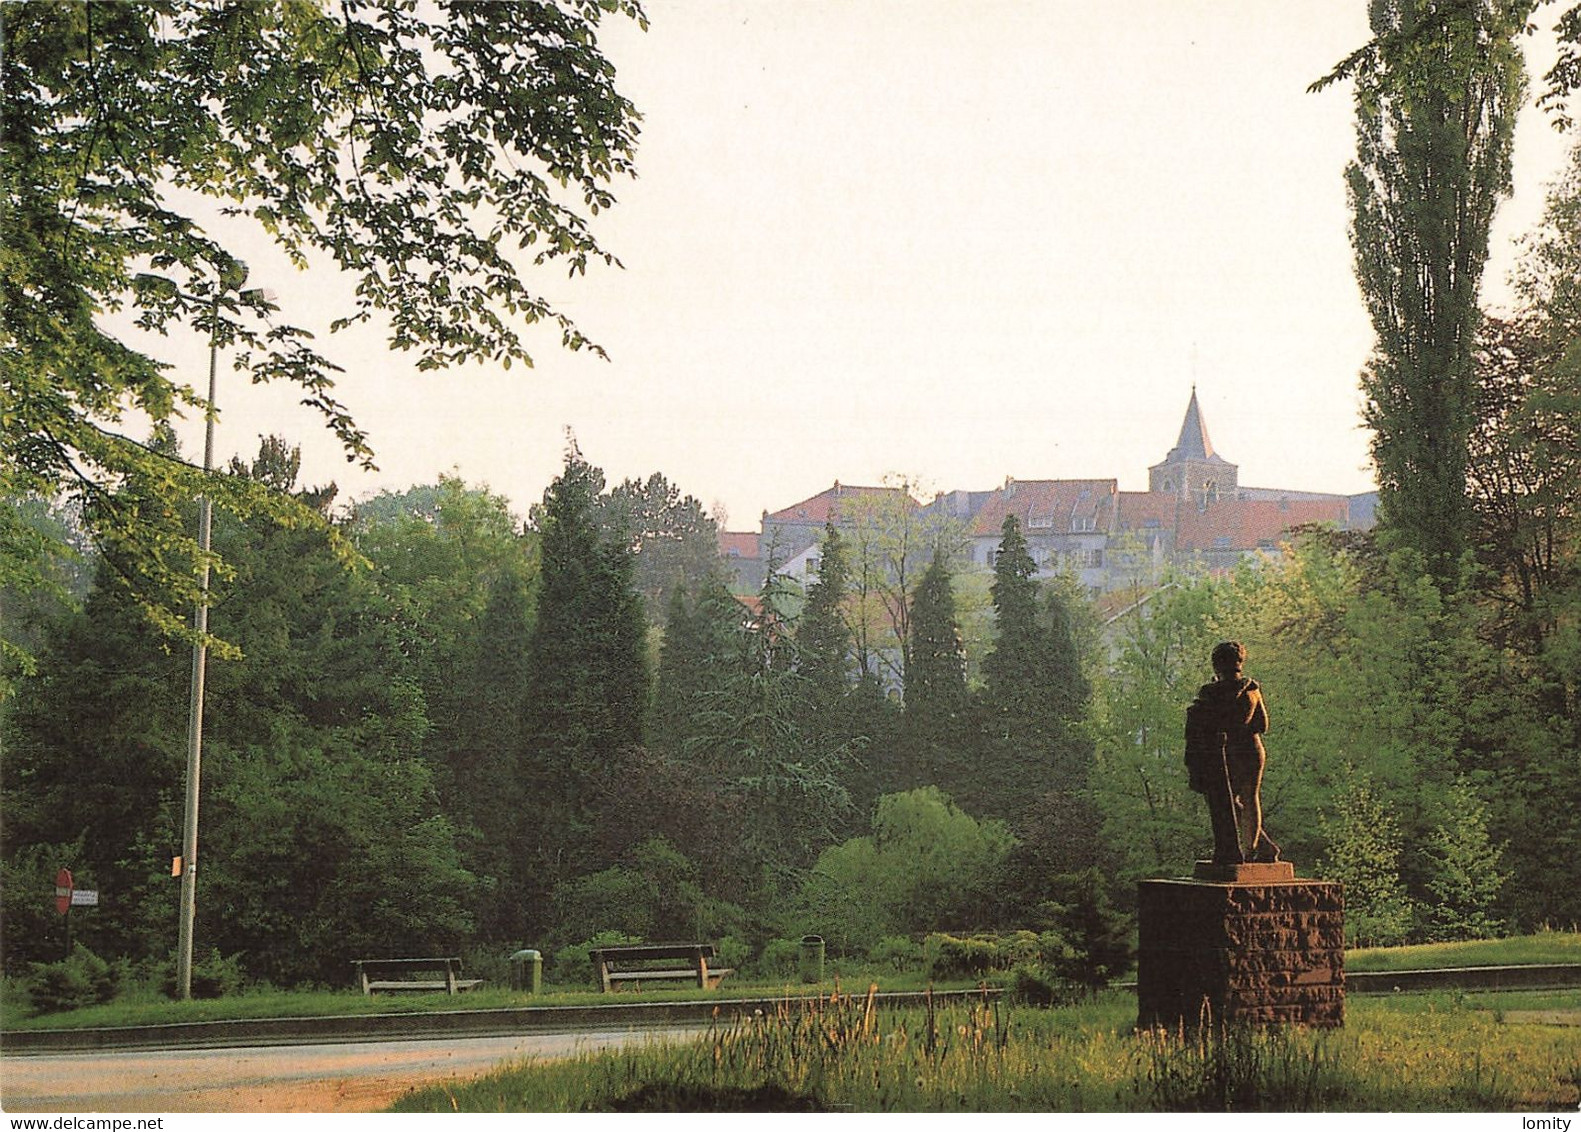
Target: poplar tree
x=1437, y=91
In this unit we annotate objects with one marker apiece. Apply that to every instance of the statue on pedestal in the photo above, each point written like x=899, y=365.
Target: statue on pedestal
x=1224, y=758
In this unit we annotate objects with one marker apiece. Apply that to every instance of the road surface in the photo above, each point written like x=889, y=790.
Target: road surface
x=351, y=1077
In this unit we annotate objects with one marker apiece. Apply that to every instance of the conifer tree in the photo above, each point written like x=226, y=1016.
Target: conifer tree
x=587, y=673
x=702, y=646
x=936, y=700
x=1033, y=689
x=823, y=640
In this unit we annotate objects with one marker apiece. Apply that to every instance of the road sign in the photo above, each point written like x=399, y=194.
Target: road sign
x=63, y=891
x=84, y=898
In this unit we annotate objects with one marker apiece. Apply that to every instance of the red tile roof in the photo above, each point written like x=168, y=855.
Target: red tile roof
x=1045, y=506
x=1246, y=524
x=1148, y=510
x=825, y=506
x=738, y=544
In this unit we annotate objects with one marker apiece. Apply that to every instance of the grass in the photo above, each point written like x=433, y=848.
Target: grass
x=148, y=1008
x=1541, y=947
x=152, y=1009
x=1439, y=1054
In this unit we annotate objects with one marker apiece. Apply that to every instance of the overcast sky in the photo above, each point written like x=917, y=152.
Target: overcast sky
x=956, y=240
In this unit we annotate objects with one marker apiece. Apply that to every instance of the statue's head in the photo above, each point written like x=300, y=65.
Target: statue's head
x=1228, y=656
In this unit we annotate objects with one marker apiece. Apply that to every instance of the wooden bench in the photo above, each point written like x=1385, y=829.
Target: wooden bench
x=638, y=963
x=370, y=970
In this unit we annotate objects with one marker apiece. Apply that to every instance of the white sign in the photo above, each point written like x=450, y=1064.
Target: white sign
x=84, y=897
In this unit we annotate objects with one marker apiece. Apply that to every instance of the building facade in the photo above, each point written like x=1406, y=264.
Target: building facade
x=1195, y=512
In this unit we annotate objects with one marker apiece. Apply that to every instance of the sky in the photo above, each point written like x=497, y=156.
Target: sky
x=955, y=240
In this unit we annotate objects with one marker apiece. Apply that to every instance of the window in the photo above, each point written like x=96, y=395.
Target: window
x=1222, y=543
x=812, y=566
x=1083, y=523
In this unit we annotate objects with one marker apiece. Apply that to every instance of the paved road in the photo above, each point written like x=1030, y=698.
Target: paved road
x=359, y=1077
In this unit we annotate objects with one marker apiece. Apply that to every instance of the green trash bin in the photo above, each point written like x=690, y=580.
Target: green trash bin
x=527, y=971
x=812, y=958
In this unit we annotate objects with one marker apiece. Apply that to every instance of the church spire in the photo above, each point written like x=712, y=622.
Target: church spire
x=1193, y=443
x=1193, y=470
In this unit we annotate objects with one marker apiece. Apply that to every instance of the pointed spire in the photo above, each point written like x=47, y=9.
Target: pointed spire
x=1193, y=443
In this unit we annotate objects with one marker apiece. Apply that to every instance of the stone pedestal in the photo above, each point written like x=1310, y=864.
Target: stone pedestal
x=1241, y=943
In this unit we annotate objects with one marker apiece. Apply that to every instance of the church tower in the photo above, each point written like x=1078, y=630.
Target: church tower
x=1193, y=471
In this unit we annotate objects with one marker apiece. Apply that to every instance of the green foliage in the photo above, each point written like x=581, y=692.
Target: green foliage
x=897, y=953
x=1035, y=694
x=656, y=894
x=948, y=956
x=571, y=964
x=213, y=976
x=938, y=722
x=1364, y=855
x=1090, y=942
x=927, y=865
x=1437, y=93
x=672, y=539
x=823, y=640
x=780, y=958
x=1150, y=819
x=320, y=834
x=752, y=737
x=587, y=668
x=416, y=149
x=1466, y=871
x=457, y=572
x=81, y=979
x=703, y=648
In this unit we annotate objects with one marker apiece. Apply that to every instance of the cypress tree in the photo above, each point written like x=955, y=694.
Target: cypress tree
x=586, y=666
x=1033, y=690
x=823, y=641
x=936, y=698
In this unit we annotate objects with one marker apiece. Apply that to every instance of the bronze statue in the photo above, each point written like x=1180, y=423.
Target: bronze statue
x=1224, y=758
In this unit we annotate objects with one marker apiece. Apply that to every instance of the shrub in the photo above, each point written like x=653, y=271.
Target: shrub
x=213, y=975
x=780, y=958
x=897, y=953
x=1091, y=941
x=1035, y=984
x=572, y=964
x=733, y=952
x=81, y=979
x=954, y=957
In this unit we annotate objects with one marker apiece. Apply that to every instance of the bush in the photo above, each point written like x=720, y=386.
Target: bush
x=733, y=953
x=1090, y=942
x=1036, y=984
x=572, y=965
x=81, y=979
x=956, y=957
x=213, y=976
x=897, y=953
x=780, y=958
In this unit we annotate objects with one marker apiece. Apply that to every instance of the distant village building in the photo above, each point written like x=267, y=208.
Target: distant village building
x=1195, y=511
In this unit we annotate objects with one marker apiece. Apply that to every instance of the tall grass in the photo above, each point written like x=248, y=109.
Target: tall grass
x=844, y=1054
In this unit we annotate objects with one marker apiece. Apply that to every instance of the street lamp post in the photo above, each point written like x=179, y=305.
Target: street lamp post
x=231, y=280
